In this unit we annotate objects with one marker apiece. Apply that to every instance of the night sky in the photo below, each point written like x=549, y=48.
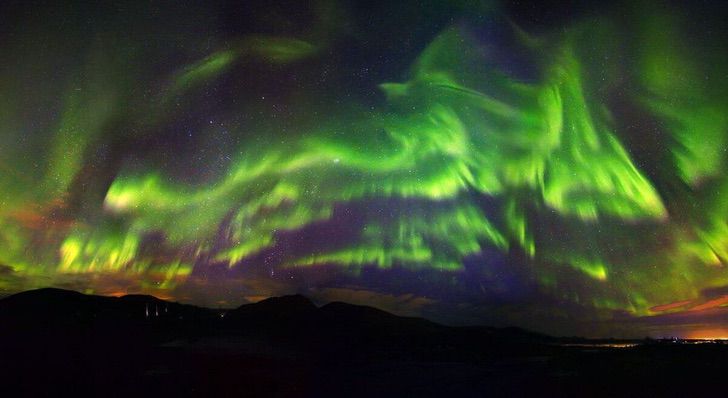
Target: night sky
x=561, y=168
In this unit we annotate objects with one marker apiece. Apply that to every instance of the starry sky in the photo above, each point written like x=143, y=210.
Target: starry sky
x=559, y=168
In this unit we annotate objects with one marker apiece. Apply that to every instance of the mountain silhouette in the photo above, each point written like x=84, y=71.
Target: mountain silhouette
x=294, y=322
x=66, y=310
x=58, y=340
x=36, y=315
x=274, y=311
x=361, y=315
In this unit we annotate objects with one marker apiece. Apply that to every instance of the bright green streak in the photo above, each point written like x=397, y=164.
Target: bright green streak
x=458, y=138
x=441, y=242
x=457, y=128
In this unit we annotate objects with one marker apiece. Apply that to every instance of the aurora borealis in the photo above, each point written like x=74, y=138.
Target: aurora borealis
x=560, y=169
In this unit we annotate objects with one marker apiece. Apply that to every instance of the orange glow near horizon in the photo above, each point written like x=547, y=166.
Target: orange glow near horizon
x=708, y=334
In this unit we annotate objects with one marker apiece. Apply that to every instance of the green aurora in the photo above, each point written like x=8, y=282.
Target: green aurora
x=451, y=165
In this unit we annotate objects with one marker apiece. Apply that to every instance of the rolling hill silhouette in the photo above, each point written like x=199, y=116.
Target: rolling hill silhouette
x=58, y=308
x=294, y=314
x=55, y=340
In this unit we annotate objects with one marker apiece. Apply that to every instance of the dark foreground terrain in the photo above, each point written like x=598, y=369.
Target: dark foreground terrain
x=60, y=342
